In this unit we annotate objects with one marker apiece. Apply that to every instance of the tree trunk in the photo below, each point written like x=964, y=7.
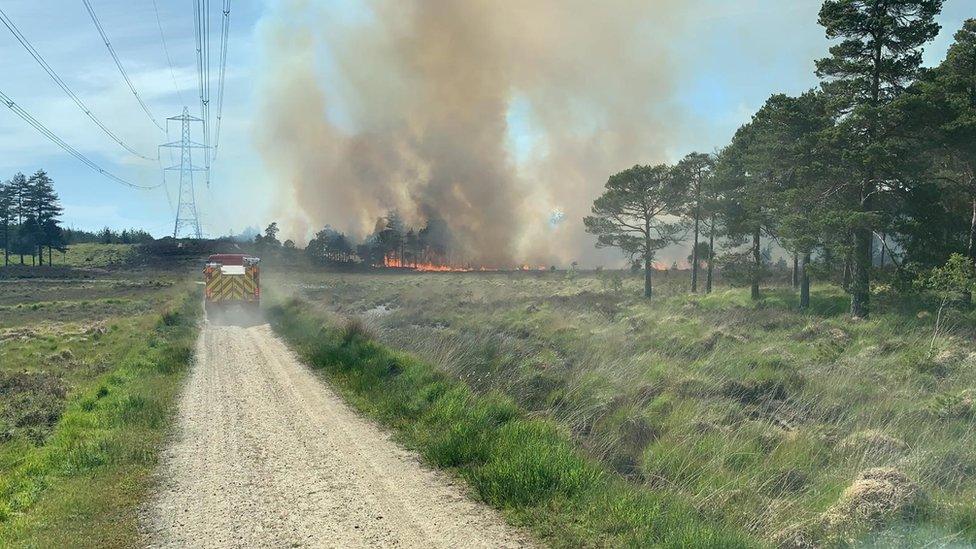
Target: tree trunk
x=971, y=250
x=647, y=277
x=40, y=254
x=694, y=250
x=846, y=279
x=884, y=245
x=647, y=256
x=805, y=282
x=863, y=237
x=757, y=260
x=972, y=234
x=711, y=255
x=795, y=273
x=861, y=273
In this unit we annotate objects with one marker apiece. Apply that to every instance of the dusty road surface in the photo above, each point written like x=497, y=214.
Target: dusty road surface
x=266, y=455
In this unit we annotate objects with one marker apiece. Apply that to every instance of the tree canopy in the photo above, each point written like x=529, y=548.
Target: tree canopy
x=630, y=214
x=30, y=213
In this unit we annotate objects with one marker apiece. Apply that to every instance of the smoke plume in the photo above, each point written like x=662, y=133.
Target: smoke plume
x=490, y=114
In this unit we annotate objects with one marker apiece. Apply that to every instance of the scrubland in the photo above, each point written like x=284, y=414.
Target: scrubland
x=794, y=428
x=89, y=368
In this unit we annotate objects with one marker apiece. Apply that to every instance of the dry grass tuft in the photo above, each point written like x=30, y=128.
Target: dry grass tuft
x=877, y=497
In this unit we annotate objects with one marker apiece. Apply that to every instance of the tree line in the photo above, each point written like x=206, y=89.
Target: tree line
x=871, y=174
x=391, y=243
x=30, y=213
x=106, y=236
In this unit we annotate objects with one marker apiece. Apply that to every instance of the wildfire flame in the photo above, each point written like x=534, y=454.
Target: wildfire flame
x=429, y=267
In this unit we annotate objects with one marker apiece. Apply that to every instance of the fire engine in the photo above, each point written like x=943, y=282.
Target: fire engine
x=232, y=279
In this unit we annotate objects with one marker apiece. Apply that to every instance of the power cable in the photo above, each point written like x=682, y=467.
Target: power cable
x=64, y=86
x=201, y=19
x=118, y=63
x=19, y=111
x=224, y=36
x=169, y=60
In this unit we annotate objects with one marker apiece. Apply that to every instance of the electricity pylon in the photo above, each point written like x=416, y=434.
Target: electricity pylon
x=187, y=220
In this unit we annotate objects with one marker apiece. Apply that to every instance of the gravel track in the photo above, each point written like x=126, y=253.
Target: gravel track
x=266, y=455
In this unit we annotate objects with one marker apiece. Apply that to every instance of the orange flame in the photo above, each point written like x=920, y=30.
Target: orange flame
x=397, y=263
x=430, y=267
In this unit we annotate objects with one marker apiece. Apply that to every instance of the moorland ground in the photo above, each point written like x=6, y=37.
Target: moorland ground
x=802, y=428
x=707, y=415
x=90, y=363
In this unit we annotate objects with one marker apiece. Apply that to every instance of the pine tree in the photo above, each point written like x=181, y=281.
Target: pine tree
x=44, y=206
x=959, y=73
x=694, y=172
x=19, y=212
x=878, y=56
x=748, y=172
x=628, y=215
x=940, y=110
x=6, y=218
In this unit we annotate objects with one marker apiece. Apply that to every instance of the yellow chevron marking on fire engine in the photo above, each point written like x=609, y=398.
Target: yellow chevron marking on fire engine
x=233, y=288
x=218, y=284
x=222, y=294
x=224, y=287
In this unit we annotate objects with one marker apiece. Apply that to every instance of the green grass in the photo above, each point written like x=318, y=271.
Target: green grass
x=97, y=255
x=74, y=475
x=526, y=466
x=753, y=411
x=86, y=255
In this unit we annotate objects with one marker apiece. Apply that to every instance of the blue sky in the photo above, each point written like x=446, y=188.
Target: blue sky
x=740, y=53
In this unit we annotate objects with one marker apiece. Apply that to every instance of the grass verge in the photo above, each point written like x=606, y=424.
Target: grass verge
x=776, y=418
x=81, y=487
x=527, y=467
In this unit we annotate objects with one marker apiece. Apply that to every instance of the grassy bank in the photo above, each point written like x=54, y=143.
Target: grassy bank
x=796, y=426
x=86, y=404
x=527, y=467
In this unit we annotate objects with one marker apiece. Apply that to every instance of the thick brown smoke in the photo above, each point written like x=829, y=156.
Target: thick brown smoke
x=413, y=114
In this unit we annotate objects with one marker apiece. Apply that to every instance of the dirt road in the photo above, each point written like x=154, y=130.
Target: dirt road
x=268, y=456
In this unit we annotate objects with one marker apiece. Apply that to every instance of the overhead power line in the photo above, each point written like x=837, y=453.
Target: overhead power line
x=19, y=111
x=169, y=60
x=64, y=86
x=201, y=20
x=224, y=36
x=118, y=63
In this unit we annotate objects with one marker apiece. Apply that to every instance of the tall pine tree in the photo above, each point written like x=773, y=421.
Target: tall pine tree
x=20, y=210
x=632, y=212
x=694, y=173
x=940, y=110
x=879, y=54
x=44, y=206
x=7, y=218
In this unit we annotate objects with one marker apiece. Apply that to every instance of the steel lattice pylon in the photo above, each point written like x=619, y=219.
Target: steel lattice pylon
x=187, y=219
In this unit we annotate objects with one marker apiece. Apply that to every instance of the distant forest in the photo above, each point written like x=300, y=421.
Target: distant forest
x=30, y=222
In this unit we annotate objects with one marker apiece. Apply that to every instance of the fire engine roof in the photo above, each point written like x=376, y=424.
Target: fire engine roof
x=229, y=259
